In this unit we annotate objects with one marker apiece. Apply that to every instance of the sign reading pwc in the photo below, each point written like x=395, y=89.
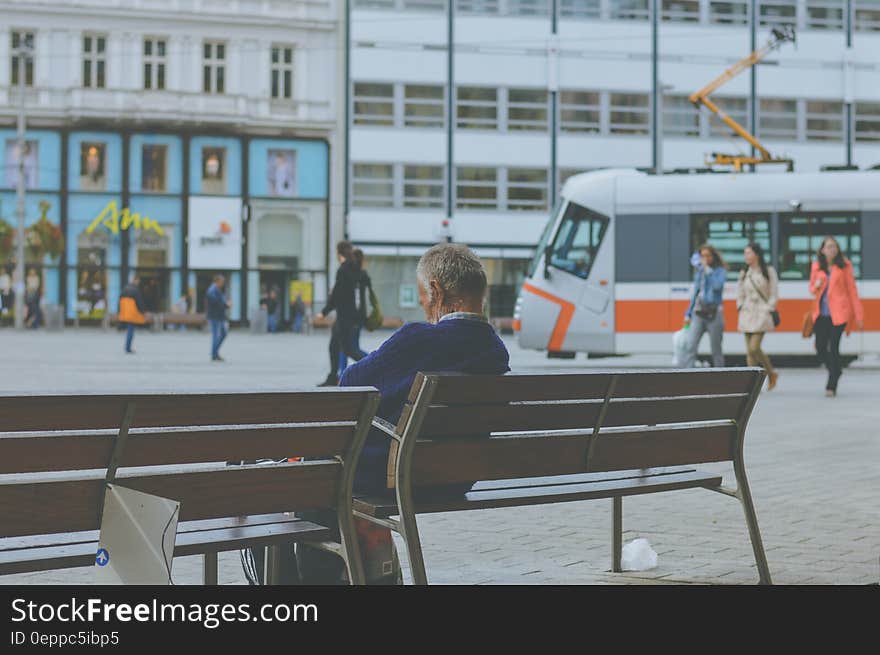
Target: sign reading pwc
x=214, y=233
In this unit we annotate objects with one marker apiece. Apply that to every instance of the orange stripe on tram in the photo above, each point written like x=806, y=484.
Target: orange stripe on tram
x=566, y=312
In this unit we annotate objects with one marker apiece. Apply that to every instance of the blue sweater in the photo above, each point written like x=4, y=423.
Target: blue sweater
x=459, y=345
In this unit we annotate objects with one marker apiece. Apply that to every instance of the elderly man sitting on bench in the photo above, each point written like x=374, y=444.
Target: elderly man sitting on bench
x=456, y=337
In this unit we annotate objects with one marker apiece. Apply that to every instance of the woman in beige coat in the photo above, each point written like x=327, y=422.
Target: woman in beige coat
x=756, y=296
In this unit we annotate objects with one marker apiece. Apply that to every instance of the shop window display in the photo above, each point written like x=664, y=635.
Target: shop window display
x=92, y=167
x=281, y=168
x=214, y=170
x=154, y=168
x=31, y=164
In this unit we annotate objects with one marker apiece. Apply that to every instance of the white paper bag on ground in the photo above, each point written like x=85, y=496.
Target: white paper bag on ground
x=638, y=555
x=680, y=345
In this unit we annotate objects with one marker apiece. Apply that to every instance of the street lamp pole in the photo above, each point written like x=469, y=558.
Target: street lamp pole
x=23, y=51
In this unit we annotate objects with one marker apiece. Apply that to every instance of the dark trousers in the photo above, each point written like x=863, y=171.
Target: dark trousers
x=356, y=344
x=342, y=341
x=129, y=337
x=828, y=348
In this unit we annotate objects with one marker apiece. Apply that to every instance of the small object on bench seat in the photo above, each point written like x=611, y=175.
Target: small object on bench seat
x=477, y=442
x=58, y=453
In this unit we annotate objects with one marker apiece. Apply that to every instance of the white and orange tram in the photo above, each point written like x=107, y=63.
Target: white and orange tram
x=612, y=271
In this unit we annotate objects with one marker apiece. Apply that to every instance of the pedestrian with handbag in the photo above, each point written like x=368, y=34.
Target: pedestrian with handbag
x=756, y=297
x=705, y=312
x=836, y=307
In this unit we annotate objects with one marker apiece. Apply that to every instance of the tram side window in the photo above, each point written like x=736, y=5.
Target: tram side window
x=801, y=237
x=730, y=234
x=578, y=240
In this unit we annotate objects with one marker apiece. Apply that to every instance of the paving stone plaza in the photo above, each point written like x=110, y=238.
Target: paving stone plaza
x=812, y=464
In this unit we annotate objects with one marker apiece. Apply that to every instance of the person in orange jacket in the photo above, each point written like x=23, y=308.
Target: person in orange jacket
x=131, y=310
x=836, y=306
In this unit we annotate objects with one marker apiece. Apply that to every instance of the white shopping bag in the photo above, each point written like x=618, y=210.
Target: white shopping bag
x=138, y=532
x=680, y=345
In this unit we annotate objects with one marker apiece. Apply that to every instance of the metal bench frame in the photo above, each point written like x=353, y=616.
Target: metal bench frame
x=404, y=443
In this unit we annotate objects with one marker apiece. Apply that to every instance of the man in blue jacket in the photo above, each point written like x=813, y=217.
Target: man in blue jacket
x=216, y=305
x=706, y=312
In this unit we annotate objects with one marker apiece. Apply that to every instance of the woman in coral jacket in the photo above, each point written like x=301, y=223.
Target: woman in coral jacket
x=836, y=307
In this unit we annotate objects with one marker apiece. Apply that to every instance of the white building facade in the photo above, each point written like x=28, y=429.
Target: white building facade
x=219, y=120
x=507, y=146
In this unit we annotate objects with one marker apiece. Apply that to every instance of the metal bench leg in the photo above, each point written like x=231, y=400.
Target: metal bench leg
x=745, y=498
x=617, y=534
x=210, y=568
x=273, y=564
x=350, y=550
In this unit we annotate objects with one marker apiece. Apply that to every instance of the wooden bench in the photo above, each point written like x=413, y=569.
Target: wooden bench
x=193, y=319
x=58, y=453
x=552, y=438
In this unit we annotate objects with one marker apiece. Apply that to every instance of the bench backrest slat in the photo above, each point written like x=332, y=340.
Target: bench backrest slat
x=97, y=411
x=73, y=452
x=55, y=453
x=71, y=505
x=523, y=425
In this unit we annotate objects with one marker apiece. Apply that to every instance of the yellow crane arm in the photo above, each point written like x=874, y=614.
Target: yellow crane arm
x=701, y=97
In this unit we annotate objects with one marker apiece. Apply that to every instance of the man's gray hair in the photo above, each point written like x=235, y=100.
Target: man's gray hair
x=456, y=268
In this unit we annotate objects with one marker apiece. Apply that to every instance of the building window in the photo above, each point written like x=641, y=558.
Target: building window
x=418, y=5
x=867, y=15
x=477, y=108
x=824, y=120
x=19, y=40
x=422, y=186
x=13, y=158
x=214, y=67
x=736, y=108
x=527, y=109
x=476, y=187
x=373, y=103
x=801, y=237
x=579, y=111
x=680, y=117
x=729, y=13
x=374, y=4
x=680, y=11
x=527, y=188
x=528, y=7
x=476, y=6
x=281, y=172
x=580, y=9
x=730, y=234
x=154, y=64
x=372, y=185
x=630, y=113
x=867, y=121
x=213, y=170
x=777, y=118
x=92, y=166
x=94, y=61
x=154, y=168
x=282, y=72
x=777, y=12
x=423, y=105
x=629, y=9
x=825, y=14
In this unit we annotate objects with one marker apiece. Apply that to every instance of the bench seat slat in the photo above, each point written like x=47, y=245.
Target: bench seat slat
x=195, y=542
x=540, y=494
x=89, y=536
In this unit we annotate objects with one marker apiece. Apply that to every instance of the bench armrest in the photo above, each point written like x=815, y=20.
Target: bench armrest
x=386, y=427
